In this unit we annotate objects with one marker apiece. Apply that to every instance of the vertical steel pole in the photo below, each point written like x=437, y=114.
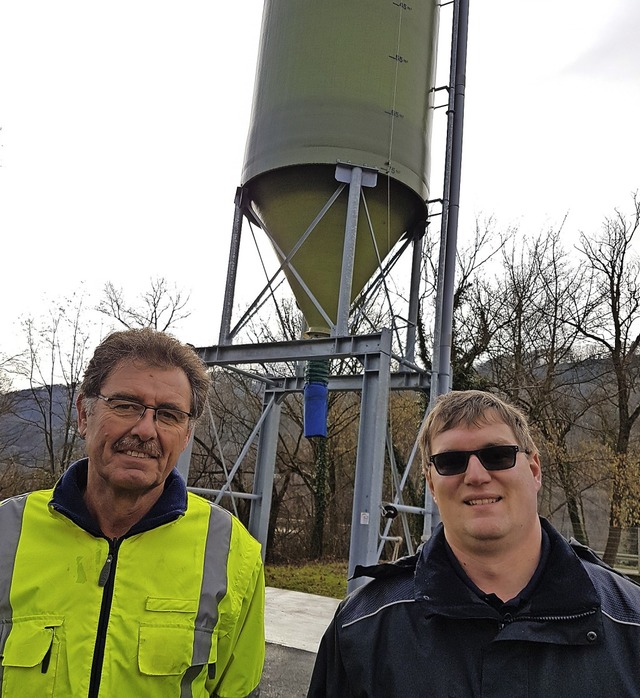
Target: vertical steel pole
x=454, y=192
x=232, y=270
x=441, y=377
x=367, y=491
x=349, y=253
x=184, y=460
x=265, y=469
x=443, y=328
x=414, y=291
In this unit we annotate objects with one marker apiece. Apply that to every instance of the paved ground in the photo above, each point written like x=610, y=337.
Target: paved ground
x=294, y=624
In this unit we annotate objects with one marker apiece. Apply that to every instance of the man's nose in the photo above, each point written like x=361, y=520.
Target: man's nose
x=146, y=427
x=476, y=472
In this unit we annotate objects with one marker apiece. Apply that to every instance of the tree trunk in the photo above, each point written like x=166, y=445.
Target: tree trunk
x=617, y=516
x=574, y=503
x=276, y=502
x=613, y=543
x=320, y=499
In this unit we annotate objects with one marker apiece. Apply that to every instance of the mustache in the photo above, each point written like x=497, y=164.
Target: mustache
x=131, y=443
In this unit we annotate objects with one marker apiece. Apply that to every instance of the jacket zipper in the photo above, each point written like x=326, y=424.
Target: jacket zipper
x=106, y=580
x=509, y=618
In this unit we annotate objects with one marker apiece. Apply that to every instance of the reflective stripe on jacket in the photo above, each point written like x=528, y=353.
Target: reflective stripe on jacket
x=176, y=610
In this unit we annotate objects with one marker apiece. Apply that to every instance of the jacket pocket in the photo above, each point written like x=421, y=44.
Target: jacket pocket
x=30, y=655
x=167, y=650
x=164, y=605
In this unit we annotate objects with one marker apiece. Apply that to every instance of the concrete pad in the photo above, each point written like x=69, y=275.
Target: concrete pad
x=287, y=672
x=294, y=619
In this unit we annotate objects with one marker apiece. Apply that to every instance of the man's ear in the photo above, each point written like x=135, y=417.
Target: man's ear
x=82, y=415
x=427, y=474
x=186, y=438
x=536, y=469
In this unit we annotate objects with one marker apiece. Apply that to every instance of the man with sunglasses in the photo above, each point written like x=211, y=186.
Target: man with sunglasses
x=118, y=582
x=496, y=602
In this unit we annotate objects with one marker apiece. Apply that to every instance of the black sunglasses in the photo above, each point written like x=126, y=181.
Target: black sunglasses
x=491, y=457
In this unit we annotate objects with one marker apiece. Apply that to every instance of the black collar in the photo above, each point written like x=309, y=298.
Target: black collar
x=68, y=499
x=505, y=605
x=561, y=583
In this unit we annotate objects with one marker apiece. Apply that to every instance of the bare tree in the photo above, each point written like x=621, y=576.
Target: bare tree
x=532, y=355
x=608, y=318
x=474, y=322
x=11, y=477
x=160, y=307
x=52, y=366
x=5, y=386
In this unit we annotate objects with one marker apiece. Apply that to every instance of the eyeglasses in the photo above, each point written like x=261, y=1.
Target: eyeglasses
x=491, y=457
x=135, y=411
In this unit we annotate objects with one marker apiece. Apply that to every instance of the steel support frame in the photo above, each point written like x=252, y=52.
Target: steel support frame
x=232, y=270
x=348, y=253
x=375, y=382
x=372, y=435
x=356, y=177
x=260, y=510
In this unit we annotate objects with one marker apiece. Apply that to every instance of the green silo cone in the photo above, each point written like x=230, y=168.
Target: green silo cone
x=340, y=82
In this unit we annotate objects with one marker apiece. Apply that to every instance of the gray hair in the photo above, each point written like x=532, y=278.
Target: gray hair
x=153, y=348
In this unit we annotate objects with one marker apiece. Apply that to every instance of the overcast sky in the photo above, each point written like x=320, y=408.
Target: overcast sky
x=124, y=125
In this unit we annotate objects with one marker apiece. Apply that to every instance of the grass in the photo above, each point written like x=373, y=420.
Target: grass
x=321, y=578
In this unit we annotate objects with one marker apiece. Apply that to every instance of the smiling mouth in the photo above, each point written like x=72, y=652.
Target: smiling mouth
x=477, y=502
x=138, y=454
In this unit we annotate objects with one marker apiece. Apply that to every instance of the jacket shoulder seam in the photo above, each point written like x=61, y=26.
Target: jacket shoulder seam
x=619, y=596
x=376, y=611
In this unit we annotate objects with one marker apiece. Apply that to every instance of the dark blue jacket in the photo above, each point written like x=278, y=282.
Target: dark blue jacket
x=419, y=629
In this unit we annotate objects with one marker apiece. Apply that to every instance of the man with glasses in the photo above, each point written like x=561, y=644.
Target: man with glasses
x=496, y=602
x=118, y=582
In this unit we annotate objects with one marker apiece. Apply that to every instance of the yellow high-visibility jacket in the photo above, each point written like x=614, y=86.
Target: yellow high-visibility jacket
x=173, y=608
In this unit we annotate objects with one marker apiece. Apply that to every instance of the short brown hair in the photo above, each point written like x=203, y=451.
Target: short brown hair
x=153, y=348
x=472, y=408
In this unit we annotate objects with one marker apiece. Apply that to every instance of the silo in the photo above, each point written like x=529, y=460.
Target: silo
x=340, y=82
